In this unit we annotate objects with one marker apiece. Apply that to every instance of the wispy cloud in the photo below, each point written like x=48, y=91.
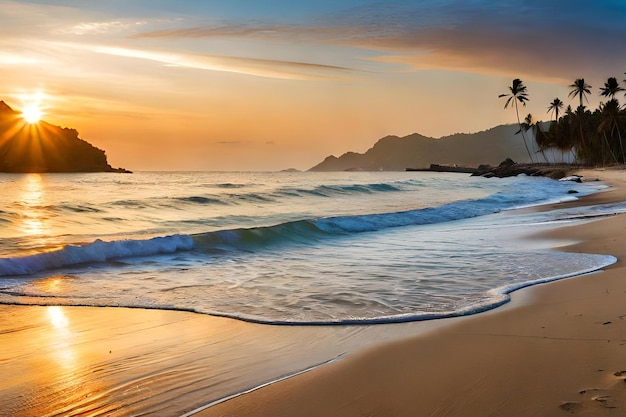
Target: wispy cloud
x=228, y=142
x=533, y=37
x=293, y=33
x=249, y=66
x=9, y=59
x=99, y=28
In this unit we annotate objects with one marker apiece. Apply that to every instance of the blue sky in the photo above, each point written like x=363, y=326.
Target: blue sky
x=275, y=84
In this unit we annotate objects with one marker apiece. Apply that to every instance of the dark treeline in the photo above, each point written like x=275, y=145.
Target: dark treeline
x=594, y=137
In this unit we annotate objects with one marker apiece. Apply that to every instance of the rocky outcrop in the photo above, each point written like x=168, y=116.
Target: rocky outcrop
x=43, y=147
x=508, y=168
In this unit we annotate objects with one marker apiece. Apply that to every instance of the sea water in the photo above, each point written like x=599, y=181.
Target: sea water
x=284, y=247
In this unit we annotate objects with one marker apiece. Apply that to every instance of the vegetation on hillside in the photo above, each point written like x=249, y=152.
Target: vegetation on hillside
x=595, y=137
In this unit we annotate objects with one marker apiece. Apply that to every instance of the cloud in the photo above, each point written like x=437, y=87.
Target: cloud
x=89, y=28
x=263, y=32
x=547, y=40
x=9, y=59
x=229, y=142
x=250, y=66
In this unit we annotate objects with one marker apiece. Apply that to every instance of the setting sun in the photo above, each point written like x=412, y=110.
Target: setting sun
x=32, y=114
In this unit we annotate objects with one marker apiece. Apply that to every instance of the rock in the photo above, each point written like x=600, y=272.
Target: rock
x=508, y=168
x=46, y=148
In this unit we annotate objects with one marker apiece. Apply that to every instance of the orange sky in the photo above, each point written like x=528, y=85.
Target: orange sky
x=234, y=85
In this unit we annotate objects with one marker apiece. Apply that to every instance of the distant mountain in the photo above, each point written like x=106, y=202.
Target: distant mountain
x=43, y=147
x=393, y=153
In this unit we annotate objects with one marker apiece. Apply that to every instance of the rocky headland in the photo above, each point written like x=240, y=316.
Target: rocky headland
x=44, y=148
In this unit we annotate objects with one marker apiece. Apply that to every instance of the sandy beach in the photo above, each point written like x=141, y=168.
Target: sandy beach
x=555, y=349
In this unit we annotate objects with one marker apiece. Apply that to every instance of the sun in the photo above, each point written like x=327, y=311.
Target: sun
x=32, y=113
x=33, y=106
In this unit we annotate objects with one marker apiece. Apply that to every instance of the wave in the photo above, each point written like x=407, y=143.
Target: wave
x=308, y=231
x=281, y=193
x=201, y=200
x=95, y=252
x=334, y=190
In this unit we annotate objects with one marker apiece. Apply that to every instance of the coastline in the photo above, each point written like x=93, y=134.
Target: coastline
x=125, y=361
x=555, y=348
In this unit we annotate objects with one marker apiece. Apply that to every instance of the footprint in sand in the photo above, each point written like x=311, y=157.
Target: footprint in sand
x=571, y=406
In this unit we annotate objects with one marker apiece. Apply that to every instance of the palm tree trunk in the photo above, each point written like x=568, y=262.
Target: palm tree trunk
x=621, y=144
x=608, y=145
x=522, y=131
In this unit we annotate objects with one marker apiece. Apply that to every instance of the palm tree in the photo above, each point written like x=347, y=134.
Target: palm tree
x=610, y=122
x=555, y=108
x=580, y=89
x=611, y=87
x=611, y=112
x=517, y=93
x=540, y=138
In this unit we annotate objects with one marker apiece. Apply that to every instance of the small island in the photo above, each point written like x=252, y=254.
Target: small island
x=44, y=148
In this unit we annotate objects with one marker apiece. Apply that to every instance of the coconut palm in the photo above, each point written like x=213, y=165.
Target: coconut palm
x=580, y=88
x=611, y=87
x=540, y=138
x=517, y=93
x=610, y=122
x=555, y=108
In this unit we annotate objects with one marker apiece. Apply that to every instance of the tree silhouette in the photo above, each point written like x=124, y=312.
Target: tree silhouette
x=555, y=108
x=610, y=122
x=611, y=87
x=517, y=93
x=580, y=88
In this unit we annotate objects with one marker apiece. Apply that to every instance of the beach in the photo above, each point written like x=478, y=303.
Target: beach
x=556, y=348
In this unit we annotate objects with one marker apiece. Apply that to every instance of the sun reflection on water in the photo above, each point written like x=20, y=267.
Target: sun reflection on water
x=33, y=202
x=36, y=219
x=50, y=285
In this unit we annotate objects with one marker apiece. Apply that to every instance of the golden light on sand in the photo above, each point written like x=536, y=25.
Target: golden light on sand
x=61, y=347
x=57, y=317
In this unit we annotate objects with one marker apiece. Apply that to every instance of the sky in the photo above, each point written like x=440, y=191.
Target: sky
x=277, y=84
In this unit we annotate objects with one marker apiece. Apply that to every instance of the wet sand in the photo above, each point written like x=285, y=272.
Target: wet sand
x=118, y=361
x=557, y=348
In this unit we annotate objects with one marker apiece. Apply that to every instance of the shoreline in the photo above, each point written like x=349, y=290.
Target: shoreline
x=554, y=348
x=116, y=360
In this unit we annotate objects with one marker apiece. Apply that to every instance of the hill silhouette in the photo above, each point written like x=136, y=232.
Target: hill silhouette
x=43, y=147
x=393, y=153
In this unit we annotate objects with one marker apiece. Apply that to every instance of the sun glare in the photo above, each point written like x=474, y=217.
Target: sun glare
x=33, y=106
x=32, y=114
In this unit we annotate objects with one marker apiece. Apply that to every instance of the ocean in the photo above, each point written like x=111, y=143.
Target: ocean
x=285, y=248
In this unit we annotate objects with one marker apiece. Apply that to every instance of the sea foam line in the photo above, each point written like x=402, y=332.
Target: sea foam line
x=258, y=387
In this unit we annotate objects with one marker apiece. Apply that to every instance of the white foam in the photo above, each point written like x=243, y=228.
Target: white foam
x=97, y=251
